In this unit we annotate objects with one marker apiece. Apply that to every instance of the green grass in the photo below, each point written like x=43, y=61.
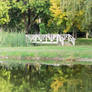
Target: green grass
x=48, y=51
x=84, y=41
x=14, y=44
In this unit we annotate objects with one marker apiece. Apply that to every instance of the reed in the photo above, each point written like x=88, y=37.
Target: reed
x=13, y=39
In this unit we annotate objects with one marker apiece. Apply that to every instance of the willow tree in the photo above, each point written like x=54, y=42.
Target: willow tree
x=74, y=13
x=77, y=12
x=86, y=24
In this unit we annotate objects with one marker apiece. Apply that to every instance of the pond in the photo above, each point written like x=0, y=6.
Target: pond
x=45, y=78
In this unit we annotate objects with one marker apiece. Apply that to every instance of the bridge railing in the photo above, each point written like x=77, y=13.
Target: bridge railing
x=50, y=38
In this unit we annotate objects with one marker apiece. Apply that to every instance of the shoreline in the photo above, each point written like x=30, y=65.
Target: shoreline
x=45, y=58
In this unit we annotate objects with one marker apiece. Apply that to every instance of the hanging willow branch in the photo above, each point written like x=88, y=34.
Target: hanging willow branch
x=78, y=12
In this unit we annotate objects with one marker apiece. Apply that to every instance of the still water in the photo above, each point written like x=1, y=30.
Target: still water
x=45, y=78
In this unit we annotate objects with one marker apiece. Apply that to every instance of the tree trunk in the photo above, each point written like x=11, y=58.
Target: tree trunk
x=29, y=21
x=87, y=35
x=73, y=34
x=25, y=23
x=76, y=34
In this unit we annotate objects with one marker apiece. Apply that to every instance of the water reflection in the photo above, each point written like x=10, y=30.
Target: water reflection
x=46, y=78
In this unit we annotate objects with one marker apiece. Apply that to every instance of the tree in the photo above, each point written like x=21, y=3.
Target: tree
x=74, y=14
x=4, y=8
x=77, y=13
x=27, y=12
x=57, y=16
x=86, y=24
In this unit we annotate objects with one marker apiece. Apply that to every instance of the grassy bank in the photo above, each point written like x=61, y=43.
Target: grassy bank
x=48, y=51
x=84, y=41
x=14, y=45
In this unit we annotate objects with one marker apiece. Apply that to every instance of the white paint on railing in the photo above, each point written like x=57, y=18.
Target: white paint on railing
x=50, y=38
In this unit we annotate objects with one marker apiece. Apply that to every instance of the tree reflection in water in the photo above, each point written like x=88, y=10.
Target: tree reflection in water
x=46, y=78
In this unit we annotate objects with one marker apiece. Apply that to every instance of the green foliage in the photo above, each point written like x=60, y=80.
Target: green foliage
x=24, y=14
x=78, y=13
x=46, y=79
x=58, y=16
x=42, y=28
x=4, y=9
x=87, y=20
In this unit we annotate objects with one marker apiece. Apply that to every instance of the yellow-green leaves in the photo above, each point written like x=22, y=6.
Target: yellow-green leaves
x=4, y=9
x=56, y=12
x=57, y=16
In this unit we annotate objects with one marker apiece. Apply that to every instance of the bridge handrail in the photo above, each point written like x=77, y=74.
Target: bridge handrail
x=50, y=38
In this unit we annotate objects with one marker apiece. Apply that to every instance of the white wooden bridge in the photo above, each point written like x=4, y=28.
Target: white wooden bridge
x=50, y=38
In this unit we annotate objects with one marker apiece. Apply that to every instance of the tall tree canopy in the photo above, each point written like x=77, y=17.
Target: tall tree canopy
x=26, y=12
x=57, y=16
x=78, y=12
